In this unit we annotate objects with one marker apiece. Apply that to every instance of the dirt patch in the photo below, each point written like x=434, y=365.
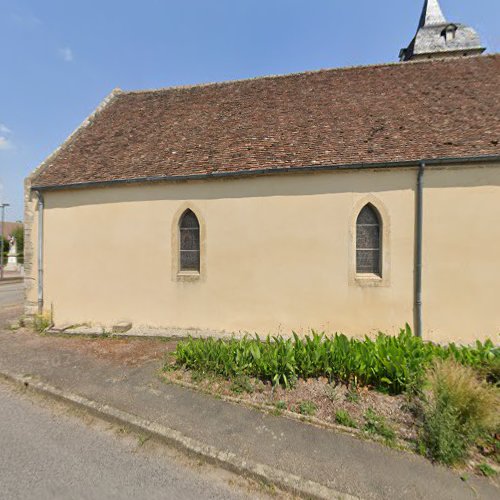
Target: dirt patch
x=313, y=397
x=121, y=351
x=129, y=352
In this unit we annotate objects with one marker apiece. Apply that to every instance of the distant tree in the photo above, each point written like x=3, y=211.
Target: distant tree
x=5, y=248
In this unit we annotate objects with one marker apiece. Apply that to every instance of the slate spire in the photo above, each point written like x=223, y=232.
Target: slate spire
x=431, y=14
x=436, y=37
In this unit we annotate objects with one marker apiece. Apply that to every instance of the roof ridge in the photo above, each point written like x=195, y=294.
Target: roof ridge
x=300, y=73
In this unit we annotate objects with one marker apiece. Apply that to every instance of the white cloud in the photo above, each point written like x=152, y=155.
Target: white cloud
x=5, y=143
x=25, y=19
x=66, y=54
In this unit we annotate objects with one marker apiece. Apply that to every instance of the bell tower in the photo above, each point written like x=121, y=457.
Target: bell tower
x=436, y=37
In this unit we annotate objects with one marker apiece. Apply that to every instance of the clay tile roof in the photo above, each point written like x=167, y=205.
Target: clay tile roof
x=362, y=115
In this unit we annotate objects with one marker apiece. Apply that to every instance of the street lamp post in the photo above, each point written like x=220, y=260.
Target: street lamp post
x=2, y=206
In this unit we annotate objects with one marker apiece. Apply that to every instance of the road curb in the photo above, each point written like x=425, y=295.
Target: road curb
x=227, y=460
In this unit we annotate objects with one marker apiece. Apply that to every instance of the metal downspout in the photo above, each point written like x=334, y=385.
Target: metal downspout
x=40, y=251
x=419, y=215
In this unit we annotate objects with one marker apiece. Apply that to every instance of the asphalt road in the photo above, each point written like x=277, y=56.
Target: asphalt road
x=48, y=454
x=11, y=294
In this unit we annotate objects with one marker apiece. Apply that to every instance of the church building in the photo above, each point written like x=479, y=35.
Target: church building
x=353, y=200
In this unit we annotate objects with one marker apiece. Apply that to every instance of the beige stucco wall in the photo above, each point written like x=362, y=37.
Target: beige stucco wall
x=461, y=291
x=278, y=254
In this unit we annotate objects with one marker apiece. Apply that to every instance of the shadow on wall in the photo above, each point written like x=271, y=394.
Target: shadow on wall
x=310, y=184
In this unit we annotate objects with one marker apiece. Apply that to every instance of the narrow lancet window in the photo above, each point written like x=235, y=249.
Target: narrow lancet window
x=368, y=241
x=189, y=229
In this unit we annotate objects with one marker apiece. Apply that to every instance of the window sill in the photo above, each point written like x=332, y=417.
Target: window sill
x=188, y=276
x=368, y=279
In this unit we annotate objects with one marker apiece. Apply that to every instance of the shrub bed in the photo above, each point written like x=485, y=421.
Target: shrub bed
x=458, y=411
x=392, y=364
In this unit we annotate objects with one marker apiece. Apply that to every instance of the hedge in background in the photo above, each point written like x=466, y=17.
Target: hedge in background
x=389, y=363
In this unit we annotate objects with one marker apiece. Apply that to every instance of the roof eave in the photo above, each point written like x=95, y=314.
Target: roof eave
x=272, y=171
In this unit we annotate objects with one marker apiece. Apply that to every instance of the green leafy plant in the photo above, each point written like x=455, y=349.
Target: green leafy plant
x=307, y=408
x=280, y=405
x=42, y=322
x=376, y=424
x=487, y=470
x=143, y=438
x=458, y=410
x=392, y=364
x=342, y=417
x=106, y=334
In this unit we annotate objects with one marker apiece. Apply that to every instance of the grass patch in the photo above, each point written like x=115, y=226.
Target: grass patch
x=105, y=334
x=459, y=410
x=486, y=470
x=143, y=438
x=342, y=417
x=376, y=424
x=280, y=405
x=307, y=408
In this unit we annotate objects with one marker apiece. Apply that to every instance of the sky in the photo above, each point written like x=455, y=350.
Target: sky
x=60, y=58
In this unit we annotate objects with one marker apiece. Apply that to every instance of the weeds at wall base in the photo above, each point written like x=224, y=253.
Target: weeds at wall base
x=42, y=322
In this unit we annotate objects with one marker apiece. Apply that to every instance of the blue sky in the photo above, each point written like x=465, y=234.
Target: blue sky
x=60, y=58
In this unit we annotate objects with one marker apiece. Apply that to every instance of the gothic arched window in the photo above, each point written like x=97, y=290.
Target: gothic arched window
x=368, y=241
x=189, y=238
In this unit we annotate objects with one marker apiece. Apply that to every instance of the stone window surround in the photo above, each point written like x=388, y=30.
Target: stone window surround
x=177, y=274
x=370, y=280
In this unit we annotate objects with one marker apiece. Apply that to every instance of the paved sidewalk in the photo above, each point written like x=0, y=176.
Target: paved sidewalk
x=335, y=460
